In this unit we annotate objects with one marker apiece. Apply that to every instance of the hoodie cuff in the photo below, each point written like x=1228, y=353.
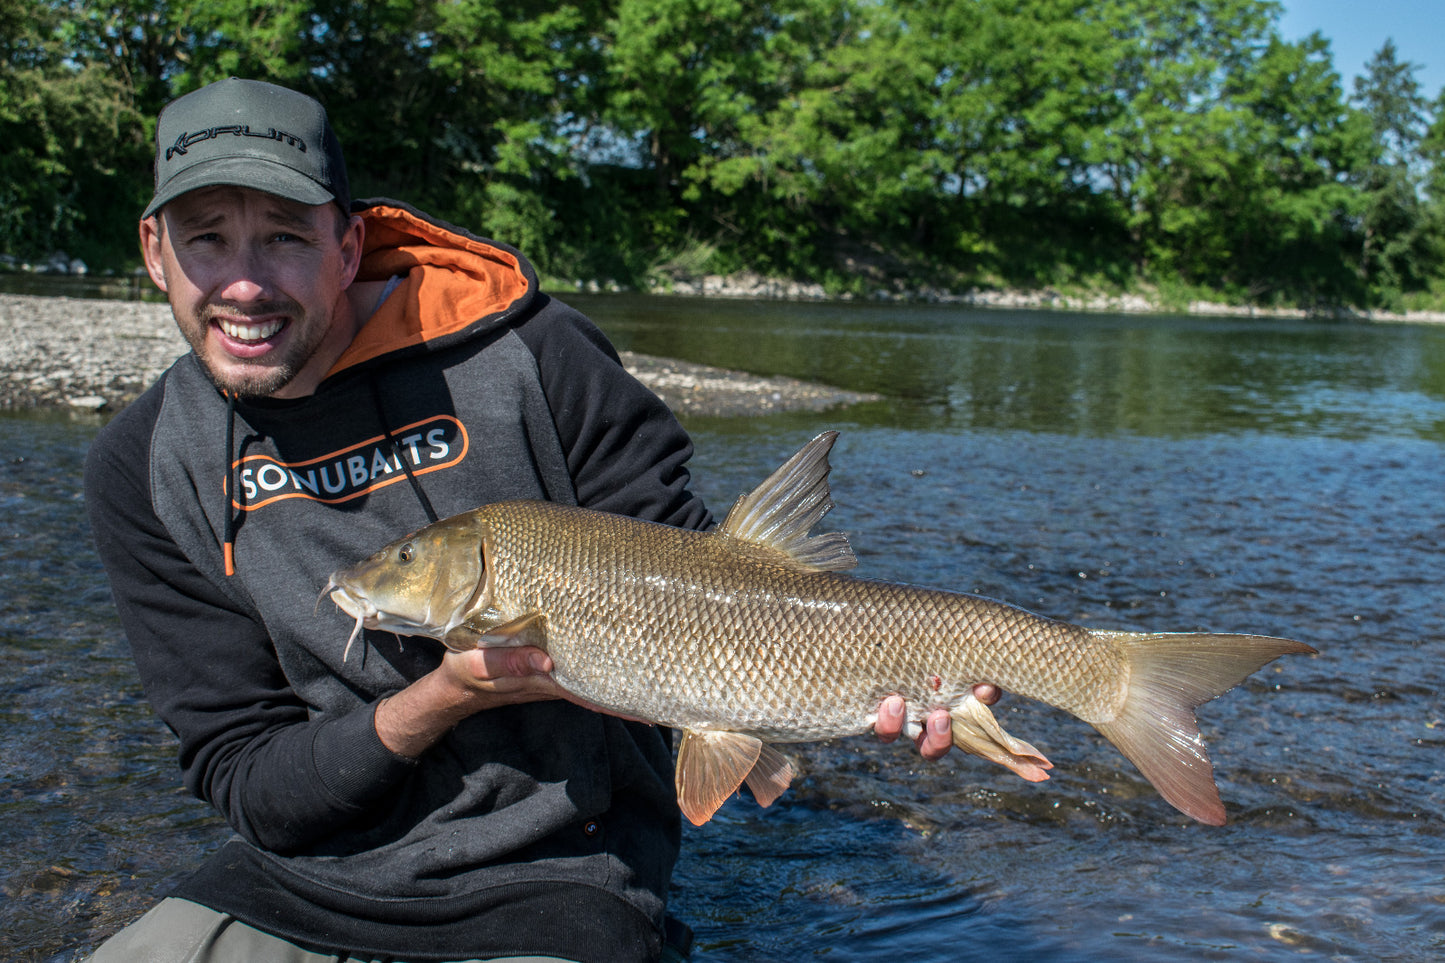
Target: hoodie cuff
x=352, y=762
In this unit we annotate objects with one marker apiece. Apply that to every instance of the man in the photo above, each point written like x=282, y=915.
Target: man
x=357, y=371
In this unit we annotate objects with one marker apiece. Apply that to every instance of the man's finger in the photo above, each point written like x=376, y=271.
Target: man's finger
x=937, y=737
x=504, y=663
x=890, y=718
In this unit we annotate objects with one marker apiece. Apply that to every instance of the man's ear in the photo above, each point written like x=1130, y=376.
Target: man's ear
x=352, y=241
x=151, y=239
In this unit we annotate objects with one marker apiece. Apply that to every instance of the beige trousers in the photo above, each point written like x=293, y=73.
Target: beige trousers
x=179, y=931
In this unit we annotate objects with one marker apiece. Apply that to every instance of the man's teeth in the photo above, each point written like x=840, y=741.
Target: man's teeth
x=251, y=332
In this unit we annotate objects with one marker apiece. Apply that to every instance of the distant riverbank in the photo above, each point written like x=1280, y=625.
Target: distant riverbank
x=746, y=285
x=99, y=355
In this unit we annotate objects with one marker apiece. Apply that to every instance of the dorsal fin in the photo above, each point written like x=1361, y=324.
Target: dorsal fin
x=781, y=511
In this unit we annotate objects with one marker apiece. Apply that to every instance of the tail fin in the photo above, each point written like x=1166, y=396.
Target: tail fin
x=1170, y=675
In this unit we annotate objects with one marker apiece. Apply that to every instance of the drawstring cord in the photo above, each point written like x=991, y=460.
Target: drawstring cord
x=228, y=545
x=396, y=450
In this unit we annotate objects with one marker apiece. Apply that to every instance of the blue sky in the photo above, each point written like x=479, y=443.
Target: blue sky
x=1357, y=29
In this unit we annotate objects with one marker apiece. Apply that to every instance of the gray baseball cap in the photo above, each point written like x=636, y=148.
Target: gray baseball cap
x=248, y=133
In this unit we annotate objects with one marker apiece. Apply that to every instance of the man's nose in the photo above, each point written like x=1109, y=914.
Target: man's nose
x=250, y=279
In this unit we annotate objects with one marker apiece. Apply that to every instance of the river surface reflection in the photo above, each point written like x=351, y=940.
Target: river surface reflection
x=1083, y=374
x=1124, y=472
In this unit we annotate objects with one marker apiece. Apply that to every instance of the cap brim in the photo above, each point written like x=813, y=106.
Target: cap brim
x=253, y=172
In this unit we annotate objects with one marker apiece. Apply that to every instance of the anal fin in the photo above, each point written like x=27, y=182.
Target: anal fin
x=975, y=730
x=770, y=776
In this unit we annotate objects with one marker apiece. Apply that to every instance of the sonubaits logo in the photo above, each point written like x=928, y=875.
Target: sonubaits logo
x=425, y=446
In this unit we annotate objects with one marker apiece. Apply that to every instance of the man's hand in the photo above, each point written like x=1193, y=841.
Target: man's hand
x=937, y=736
x=465, y=683
x=502, y=676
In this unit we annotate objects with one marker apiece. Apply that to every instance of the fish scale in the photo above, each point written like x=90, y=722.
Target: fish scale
x=737, y=646
x=751, y=635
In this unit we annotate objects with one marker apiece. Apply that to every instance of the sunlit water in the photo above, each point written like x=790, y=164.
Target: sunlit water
x=1272, y=477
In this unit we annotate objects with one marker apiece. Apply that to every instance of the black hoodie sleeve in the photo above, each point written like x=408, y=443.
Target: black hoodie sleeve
x=247, y=743
x=626, y=452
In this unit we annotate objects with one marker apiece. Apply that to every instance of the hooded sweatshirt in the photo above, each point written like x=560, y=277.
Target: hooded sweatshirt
x=533, y=829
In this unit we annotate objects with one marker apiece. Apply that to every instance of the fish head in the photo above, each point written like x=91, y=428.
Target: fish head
x=428, y=583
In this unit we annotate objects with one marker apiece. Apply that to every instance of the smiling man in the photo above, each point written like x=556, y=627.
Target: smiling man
x=260, y=286
x=357, y=370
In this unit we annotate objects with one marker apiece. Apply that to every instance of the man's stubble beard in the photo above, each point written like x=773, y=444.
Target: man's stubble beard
x=259, y=381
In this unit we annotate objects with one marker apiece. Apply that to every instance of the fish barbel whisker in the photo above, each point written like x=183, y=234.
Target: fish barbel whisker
x=330, y=586
x=351, y=605
x=355, y=631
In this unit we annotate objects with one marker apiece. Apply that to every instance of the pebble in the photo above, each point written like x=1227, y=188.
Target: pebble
x=77, y=353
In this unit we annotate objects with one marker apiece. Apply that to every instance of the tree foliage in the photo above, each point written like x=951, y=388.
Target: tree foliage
x=862, y=142
x=73, y=165
x=1395, y=250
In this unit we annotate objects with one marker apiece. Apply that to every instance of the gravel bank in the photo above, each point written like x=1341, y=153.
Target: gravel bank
x=748, y=285
x=98, y=355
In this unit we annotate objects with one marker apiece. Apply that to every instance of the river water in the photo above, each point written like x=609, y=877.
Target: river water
x=1135, y=473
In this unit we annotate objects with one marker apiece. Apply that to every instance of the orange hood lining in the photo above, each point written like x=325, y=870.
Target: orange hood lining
x=449, y=282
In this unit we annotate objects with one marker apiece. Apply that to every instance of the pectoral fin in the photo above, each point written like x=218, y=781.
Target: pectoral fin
x=712, y=765
x=529, y=629
x=975, y=730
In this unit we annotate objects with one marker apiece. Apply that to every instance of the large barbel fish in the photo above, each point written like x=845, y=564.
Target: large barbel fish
x=747, y=635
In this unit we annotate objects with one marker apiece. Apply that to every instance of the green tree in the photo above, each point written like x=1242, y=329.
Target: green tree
x=1028, y=108
x=833, y=163
x=1292, y=211
x=1432, y=159
x=514, y=77
x=456, y=107
x=684, y=80
x=74, y=144
x=1394, y=252
x=1179, y=137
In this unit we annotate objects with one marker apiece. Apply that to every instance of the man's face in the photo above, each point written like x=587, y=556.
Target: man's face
x=256, y=284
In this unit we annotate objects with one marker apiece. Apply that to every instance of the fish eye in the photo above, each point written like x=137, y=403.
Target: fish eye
x=405, y=554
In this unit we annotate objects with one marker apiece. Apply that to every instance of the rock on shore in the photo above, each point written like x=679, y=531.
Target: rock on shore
x=101, y=354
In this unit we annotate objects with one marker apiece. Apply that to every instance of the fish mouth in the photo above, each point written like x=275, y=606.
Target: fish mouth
x=368, y=616
x=352, y=605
